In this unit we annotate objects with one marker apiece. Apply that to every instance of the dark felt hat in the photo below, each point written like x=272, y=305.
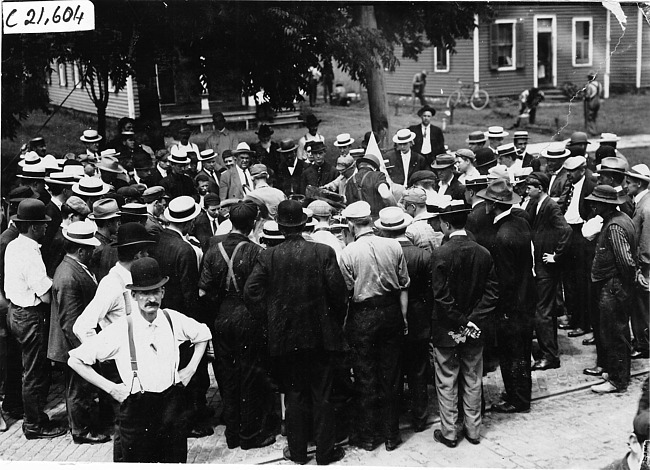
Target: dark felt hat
x=145, y=274
x=265, y=131
x=426, y=108
x=607, y=194
x=499, y=191
x=312, y=121
x=287, y=145
x=133, y=233
x=290, y=214
x=317, y=146
x=31, y=210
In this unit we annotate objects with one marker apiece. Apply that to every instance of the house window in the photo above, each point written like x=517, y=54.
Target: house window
x=76, y=75
x=63, y=79
x=582, y=42
x=441, y=60
x=505, y=45
x=111, y=86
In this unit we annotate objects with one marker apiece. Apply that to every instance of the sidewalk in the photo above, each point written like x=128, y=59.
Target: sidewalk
x=627, y=141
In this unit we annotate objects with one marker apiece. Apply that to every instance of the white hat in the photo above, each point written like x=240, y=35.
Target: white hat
x=90, y=136
x=90, y=186
x=403, y=136
x=82, y=232
x=496, y=131
x=207, y=154
x=356, y=210
x=178, y=156
x=608, y=137
x=572, y=163
x=640, y=171
x=343, y=140
x=182, y=209
x=31, y=158
x=393, y=219
x=555, y=150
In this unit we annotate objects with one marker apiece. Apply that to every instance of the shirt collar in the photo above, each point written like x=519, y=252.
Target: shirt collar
x=458, y=233
x=174, y=229
x=363, y=232
x=639, y=196
x=502, y=215
x=28, y=240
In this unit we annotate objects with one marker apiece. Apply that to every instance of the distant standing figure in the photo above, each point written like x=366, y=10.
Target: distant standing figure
x=528, y=101
x=593, y=91
x=314, y=78
x=419, y=83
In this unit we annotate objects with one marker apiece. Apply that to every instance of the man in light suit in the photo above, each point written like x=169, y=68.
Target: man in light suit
x=429, y=140
x=403, y=161
x=237, y=181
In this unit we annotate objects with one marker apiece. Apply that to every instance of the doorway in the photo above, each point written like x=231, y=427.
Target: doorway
x=545, y=53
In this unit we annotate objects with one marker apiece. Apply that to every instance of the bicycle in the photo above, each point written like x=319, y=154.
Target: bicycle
x=478, y=100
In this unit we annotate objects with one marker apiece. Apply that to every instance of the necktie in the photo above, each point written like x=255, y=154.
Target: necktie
x=214, y=226
x=569, y=196
x=424, y=133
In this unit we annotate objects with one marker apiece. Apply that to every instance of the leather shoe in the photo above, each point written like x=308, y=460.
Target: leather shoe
x=392, y=444
x=91, y=438
x=3, y=424
x=577, y=332
x=605, y=387
x=337, y=454
x=419, y=426
x=200, y=431
x=589, y=341
x=595, y=371
x=544, y=364
x=564, y=326
x=361, y=444
x=48, y=432
x=639, y=355
x=506, y=407
x=286, y=453
x=437, y=435
x=258, y=442
x=471, y=440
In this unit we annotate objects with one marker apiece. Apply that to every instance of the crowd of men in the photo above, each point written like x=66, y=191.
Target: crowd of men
x=319, y=293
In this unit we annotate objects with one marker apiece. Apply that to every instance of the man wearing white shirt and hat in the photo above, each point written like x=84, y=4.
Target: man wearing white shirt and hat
x=177, y=183
x=495, y=135
x=403, y=161
x=91, y=139
x=344, y=143
x=237, y=181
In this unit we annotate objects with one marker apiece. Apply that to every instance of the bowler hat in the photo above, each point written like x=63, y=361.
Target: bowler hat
x=290, y=214
x=82, y=233
x=403, y=136
x=90, y=186
x=317, y=146
x=484, y=157
x=132, y=233
x=393, y=219
x=90, y=136
x=36, y=141
x=110, y=164
x=476, y=137
x=182, y=209
x=211, y=199
x=499, y=191
x=607, y=194
x=105, y=209
x=145, y=275
x=61, y=178
x=343, y=140
x=31, y=210
x=265, y=131
x=312, y=121
x=443, y=161
x=426, y=108
x=287, y=145
x=20, y=193
x=578, y=138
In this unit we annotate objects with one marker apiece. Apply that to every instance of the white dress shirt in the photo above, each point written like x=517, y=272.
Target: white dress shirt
x=572, y=214
x=406, y=163
x=246, y=180
x=25, y=276
x=426, y=139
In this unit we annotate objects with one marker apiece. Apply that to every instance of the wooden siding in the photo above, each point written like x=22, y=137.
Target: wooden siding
x=624, y=63
x=80, y=101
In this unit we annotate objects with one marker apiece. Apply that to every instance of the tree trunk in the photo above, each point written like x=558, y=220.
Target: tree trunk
x=377, y=100
x=101, y=120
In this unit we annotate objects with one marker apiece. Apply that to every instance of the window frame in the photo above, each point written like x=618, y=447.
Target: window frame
x=62, y=72
x=435, y=60
x=513, y=23
x=574, y=37
x=76, y=75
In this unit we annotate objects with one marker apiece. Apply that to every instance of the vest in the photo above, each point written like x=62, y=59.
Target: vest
x=604, y=265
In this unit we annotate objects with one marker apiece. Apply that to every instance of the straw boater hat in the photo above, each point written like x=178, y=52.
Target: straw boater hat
x=507, y=150
x=90, y=136
x=476, y=137
x=31, y=210
x=520, y=135
x=31, y=158
x=403, y=136
x=607, y=194
x=182, y=209
x=393, y=219
x=499, y=191
x=608, y=137
x=134, y=209
x=90, y=186
x=178, y=157
x=110, y=164
x=496, y=132
x=82, y=233
x=109, y=153
x=640, y=172
x=271, y=231
x=555, y=151
x=145, y=275
x=33, y=172
x=207, y=154
x=343, y=140
x=61, y=178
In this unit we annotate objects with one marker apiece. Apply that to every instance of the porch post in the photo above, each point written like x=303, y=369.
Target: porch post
x=476, y=44
x=639, y=47
x=608, y=60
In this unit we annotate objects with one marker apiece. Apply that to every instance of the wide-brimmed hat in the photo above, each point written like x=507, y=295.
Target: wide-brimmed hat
x=613, y=165
x=578, y=138
x=507, y=150
x=371, y=159
x=608, y=137
x=74, y=170
x=265, y=131
x=426, y=108
x=311, y=121
x=316, y=146
x=207, y=154
x=344, y=162
x=499, y=191
x=90, y=136
x=31, y=158
x=182, y=209
x=607, y=194
x=520, y=135
x=476, y=137
x=134, y=209
x=343, y=140
x=178, y=156
x=484, y=157
x=33, y=172
x=393, y=219
x=356, y=210
x=640, y=172
x=496, y=132
x=90, y=186
x=61, y=178
x=455, y=206
x=479, y=182
x=290, y=214
x=287, y=145
x=154, y=193
x=31, y=210
x=133, y=233
x=443, y=161
x=466, y=153
x=242, y=147
x=145, y=275
x=50, y=163
x=573, y=163
x=82, y=233
x=259, y=170
x=320, y=208
x=403, y=136
x=555, y=151
x=110, y=164
x=105, y=209
x=271, y=231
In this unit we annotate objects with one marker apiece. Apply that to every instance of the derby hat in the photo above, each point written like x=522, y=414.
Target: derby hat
x=640, y=172
x=356, y=210
x=520, y=135
x=421, y=175
x=90, y=136
x=426, y=108
x=145, y=275
x=61, y=178
x=265, y=131
x=134, y=209
x=499, y=191
x=33, y=172
x=496, y=132
x=317, y=146
x=185, y=131
x=466, y=153
x=507, y=150
x=578, y=138
x=181, y=209
x=393, y=219
x=154, y=193
x=259, y=170
x=82, y=233
x=36, y=141
x=110, y=164
x=287, y=145
x=476, y=137
x=608, y=137
x=443, y=161
x=207, y=154
x=178, y=156
x=403, y=136
x=607, y=194
x=484, y=157
x=31, y=158
x=242, y=147
x=312, y=121
x=290, y=214
x=133, y=233
x=555, y=150
x=455, y=206
x=320, y=208
x=371, y=159
x=345, y=162
x=90, y=186
x=271, y=231
x=105, y=209
x=343, y=140
x=613, y=165
x=573, y=163
x=20, y=193
x=31, y=210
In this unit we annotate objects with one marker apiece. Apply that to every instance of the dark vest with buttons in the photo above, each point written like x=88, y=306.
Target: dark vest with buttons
x=604, y=265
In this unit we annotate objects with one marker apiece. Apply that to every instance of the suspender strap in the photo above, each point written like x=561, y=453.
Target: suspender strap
x=230, y=262
x=134, y=359
x=125, y=293
x=360, y=185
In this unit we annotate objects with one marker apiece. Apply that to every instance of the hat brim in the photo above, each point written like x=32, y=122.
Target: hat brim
x=515, y=198
x=105, y=217
x=91, y=141
x=120, y=169
x=136, y=242
x=45, y=219
x=85, y=241
x=303, y=221
x=240, y=151
x=178, y=162
x=638, y=176
x=205, y=159
x=346, y=144
x=272, y=237
x=620, y=200
x=197, y=210
x=435, y=166
x=367, y=160
x=77, y=190
x=612, y=170
x=424, y=109
x=498, y=136
x=400, y=141
x=455, y=211
x=62, y=183
x=160, y=283
x=313, y=123
x=555, y=157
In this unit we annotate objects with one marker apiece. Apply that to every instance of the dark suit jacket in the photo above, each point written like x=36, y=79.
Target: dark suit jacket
x=288, y=183
x=310, y=176
x=52, y=228
x=155, y=178
x=178, y=185
x=230, y=186
x=298, y=287
x=270, y=158
x=583, y=206
x=465, y=288
x=213, y=185
x=72, y=291
x=201, y=228
x=456, y=189
x=479, y=223
x=396, y=169
x=418, y=264
x=177, y=260
x=558, y=188
x=437, y=140
x=551, y=234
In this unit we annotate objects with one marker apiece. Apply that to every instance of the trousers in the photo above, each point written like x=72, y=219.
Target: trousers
x=79, y=403
x=577, y=280
x=545, y=320
x=514, y=338
x=415, y=357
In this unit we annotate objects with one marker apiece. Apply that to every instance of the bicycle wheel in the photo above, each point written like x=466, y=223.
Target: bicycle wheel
x=454, y=99
x=479, y=100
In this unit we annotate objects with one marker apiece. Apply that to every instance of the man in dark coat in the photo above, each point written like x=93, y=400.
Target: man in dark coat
x=612, y=172
x=465, y=292
x=240, y=346
x=551, y=235
x=403, y=156
x=73, y=287
x=177, y=183
x=479, y=223
x=513, y=261
x=60, y=186
x=369, y=184
x=447, y=184
x=320, y=172
x=290, y=168
x=266, y=150
x=298, y=288
x=429, y=140
x=208, y=161
x=206, y=223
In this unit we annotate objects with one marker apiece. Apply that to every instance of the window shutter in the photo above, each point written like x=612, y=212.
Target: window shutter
x=521, y=45
x=494, y=47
